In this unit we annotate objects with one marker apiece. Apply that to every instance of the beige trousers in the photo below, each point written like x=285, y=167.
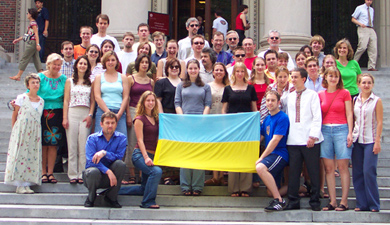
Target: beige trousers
x=131, y=140
x=30, y=52
x=367, y=40
x=76, y=136
x=238, y=182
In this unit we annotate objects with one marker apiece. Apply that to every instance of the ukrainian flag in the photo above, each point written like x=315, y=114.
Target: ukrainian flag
x=222, y=142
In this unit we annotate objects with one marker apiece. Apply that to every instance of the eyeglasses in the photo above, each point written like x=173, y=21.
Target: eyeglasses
x=240, y=55
x=194, y=25
x=274, y=38
x=232, y=39
x=93, y=52
x=174, y=67
x=198, y=43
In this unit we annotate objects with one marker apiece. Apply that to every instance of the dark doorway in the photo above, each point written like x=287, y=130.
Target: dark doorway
x=183, y=9
x=332, y=20
x=66, y=18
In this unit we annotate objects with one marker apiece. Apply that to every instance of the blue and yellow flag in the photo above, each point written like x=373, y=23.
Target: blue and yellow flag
x=222, y=142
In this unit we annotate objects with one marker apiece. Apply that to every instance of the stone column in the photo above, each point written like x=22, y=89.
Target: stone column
x=292, y=18
x=382, y=28
x=125, y=16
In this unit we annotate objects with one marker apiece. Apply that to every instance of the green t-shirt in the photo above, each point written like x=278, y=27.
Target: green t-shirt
x=349, y=75
x=52, y=91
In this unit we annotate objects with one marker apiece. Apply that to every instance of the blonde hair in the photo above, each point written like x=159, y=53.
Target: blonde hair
x=366, y=75
x=141, y=105
x=51, y=58
x=254, y=72
x=349, y=46
x=239, y=65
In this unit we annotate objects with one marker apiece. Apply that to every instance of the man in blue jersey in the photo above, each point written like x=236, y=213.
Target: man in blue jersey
x=272, y=161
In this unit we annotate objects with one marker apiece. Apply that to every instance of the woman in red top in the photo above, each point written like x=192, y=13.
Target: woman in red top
x=259, y=80
x=32, y=47
x=337, y=125
x=241, y=23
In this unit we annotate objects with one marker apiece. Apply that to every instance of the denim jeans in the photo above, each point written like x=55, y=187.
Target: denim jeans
x=335, y=142
x=121, y=126
x=191, y=179
x=151, y=176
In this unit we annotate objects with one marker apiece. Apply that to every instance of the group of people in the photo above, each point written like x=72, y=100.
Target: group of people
x=312, y=114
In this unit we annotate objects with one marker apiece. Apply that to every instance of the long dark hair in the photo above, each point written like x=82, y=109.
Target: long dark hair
x=75, y=77
x=187, y=80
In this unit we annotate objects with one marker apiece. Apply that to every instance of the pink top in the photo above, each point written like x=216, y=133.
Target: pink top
x=137, y=90
x=334, y=113
x=30, y=30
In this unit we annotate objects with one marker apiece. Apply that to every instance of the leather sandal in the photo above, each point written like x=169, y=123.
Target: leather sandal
x=329, y=207
x=196, y=193
x=53, y=180
x=187, y=193
x=342, y=207
x=73, y=181
x=45, y=178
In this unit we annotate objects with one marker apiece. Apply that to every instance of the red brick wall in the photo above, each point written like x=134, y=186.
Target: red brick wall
x=7, y=21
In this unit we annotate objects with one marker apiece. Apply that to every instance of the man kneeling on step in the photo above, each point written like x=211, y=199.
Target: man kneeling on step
x=104, y=166
x=271, y=163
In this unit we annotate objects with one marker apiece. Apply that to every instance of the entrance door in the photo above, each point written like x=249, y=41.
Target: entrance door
x=66, y=18
x=332, y=20
x=184, y=9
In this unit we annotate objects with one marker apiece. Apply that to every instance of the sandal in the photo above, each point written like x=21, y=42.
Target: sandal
x=53, y=180
x=168, y=181
x=244, y=194
x=342, y=207
x=196, y=193
x=124, y=182
x=45, y=178
x=336, y=173
x=80, y=181
x=256, y=184
x=212, y=182
x=357, y=210
x=324, y=195
x=187, y=193
x=329, y=207
x=132, y=180
x=235, y=194
x=73, y=181
x=150, y=207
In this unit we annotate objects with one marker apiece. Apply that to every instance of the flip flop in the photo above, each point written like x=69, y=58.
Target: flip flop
x=329, y=207
x=341, y=207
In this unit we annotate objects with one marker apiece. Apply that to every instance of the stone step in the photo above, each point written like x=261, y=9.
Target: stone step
x=189, y=214
x=78, y=199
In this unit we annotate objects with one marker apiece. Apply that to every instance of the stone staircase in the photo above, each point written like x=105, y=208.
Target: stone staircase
x=62, y=203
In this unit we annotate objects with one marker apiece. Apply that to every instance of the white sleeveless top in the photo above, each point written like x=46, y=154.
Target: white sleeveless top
x=365, y=119
x=80, y=95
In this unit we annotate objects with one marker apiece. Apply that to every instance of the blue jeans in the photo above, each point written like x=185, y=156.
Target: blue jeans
x=364, y=164
x=191, y=179
x=121, y=127
x=151, y=176
x=335, y=142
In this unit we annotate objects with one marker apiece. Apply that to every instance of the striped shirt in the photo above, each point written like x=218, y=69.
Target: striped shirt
x=365, y=119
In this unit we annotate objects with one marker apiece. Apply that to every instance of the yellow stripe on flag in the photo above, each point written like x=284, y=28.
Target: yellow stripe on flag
x=222, y=156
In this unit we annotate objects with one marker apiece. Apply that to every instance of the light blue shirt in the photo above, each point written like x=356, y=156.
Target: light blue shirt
x=361, y=14
x=309, y=84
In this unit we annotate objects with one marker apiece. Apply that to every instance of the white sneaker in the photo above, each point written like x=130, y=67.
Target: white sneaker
x=28, y=190
x=21, y=190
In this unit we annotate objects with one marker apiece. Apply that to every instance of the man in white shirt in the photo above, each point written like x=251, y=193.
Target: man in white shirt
x=274, y=42
x=209, y=58
x=304, y=138
x=220, y=24
x=127, y=55
x=143, y=34
x=185, y=46
x=68, y=60
x=102, y=23
x=363, y=17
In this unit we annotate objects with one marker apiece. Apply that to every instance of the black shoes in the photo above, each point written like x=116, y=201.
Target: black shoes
x=292, y=206
x=275, y=205
x=88, y=203
x=113, y=204
x=316, y=207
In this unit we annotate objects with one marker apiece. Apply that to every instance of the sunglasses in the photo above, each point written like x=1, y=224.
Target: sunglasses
x=198, y=43
x=274, y=38
x=240, y=55
x=194, y=25
x=93, y=52
x=232, y=39
x=174, y=67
